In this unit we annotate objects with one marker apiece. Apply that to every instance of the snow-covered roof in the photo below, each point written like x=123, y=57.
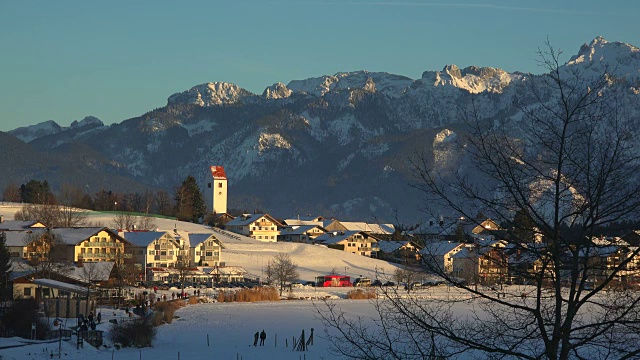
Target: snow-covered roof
x=231, y=270
x=61, y=286
x=247, y=219
x=217, y=172
x=197, y=239
x=390, y=246
x=339, y=236
x=20, y=238
x=143, y=238
x=440, y=248
x=94, y=271
x=17, y=225
x=73, y=236
x=299, y=229
x=299, y=222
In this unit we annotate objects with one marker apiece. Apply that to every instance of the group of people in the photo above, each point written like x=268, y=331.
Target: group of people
x=262, y=335
x=89, y=322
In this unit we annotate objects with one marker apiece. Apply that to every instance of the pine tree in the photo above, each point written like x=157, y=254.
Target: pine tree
x=5, y=267
x=523, y=226
x=189, y=201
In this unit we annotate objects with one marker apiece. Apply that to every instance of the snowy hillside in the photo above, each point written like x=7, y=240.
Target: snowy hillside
x=254, y=255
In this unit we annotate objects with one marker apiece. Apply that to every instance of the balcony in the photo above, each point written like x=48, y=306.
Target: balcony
x=102, y=244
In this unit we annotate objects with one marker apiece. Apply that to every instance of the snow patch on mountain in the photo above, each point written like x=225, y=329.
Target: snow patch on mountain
x=373, y=151
x=199, y=127
x=211, y=94
x=345, y=162
x=271, y=141
x=315, y=127
x=345, y=129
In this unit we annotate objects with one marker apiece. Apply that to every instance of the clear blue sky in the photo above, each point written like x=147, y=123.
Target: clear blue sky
x=64, y=60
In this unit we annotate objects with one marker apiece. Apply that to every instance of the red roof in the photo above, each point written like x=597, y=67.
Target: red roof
x=218, y=173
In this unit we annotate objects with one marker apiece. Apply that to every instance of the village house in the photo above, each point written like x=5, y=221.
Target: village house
x=375, y=229
x=458, y=229
x=219, y=220
x=261, y=227
x=301, y=233
x=606, y=256
x=19, y=225
x=155, y=248
x=484, y=262
x=404, y=251
x=89, y=244
x=356, y=242
x=205, y=250
x=437, y=257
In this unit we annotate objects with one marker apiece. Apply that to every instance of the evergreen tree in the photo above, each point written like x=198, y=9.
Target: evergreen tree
x=5, y=267
x=189, y=201
x=36, y=192
x=523, y=226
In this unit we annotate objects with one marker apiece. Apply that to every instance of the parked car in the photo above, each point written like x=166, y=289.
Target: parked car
x=376, y=282
x=389, y=283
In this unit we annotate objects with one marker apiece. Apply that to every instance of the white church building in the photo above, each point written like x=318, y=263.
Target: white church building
x=215, y=191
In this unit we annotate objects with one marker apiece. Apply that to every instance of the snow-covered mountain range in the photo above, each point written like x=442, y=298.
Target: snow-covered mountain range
x=331, y=145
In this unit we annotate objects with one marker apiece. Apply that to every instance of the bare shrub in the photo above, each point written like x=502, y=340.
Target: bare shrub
x=137, y=333
x=167, y=309
x=360, y=294
x=265, y=293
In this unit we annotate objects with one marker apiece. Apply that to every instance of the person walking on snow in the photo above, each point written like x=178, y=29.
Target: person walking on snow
x=255, y=338
x=263, y=336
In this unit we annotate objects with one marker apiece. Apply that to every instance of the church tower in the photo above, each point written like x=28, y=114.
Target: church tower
x=215, y=192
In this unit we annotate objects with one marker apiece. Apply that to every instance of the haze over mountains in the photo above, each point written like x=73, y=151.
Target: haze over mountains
x=332, y=145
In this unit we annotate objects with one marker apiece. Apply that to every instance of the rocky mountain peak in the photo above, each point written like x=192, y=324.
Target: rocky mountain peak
x=210, y=94
x=277, y=91
x=620, y=59
x=87, y=121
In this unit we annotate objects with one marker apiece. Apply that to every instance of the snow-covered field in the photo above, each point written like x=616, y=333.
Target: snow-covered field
x=230, y=327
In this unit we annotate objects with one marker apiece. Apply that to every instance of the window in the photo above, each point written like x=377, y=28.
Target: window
x=152, y=252
x=27, y=291
x=46, y=292
x=171, y=252
x=220, y=185
x=209, y=185
x=209, y=253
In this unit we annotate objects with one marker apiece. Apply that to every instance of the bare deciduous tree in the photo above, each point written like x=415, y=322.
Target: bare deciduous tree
x=124, y=221
x=282, y=270
x=569, y=166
